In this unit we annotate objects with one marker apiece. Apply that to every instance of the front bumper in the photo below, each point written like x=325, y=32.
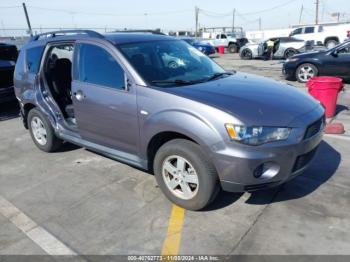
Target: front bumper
x=7, y=94
x=288, y=71
x=237, y=164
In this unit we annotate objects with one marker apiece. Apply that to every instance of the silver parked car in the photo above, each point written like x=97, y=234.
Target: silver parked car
x=284, y=47
x=198, y=128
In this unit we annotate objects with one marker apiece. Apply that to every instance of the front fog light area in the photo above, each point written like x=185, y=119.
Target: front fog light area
x=266, y=170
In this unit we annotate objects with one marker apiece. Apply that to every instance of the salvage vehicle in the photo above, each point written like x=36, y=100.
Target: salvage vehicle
x=205, y=48
x=329, y=36
x=284, y=48
x=198, y=128
x=332, y=62
x=8, y=56
x=230, y=41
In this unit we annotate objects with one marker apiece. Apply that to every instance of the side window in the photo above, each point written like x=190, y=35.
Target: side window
x=223, y=36
x=97, y=66
x=217, y=36
x=309, y=30
x=296, y=31
x=320, y=29
x=33, y=58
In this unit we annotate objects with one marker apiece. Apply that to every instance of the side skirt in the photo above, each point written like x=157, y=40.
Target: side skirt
x=118, y=155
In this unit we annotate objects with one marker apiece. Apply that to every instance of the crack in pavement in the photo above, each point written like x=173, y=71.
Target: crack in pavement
x=255, y=221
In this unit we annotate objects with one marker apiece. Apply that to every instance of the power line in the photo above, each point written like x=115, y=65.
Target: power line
x=271, y=8
x=108, y=14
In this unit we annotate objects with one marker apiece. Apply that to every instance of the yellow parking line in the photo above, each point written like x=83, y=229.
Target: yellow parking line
x=172, y=241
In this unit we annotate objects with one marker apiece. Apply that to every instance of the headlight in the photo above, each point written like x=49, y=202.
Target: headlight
x=256, y=135
x=292, y=59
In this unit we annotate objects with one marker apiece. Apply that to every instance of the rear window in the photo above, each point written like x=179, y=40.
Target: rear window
x=33, y=58
x=8, y=52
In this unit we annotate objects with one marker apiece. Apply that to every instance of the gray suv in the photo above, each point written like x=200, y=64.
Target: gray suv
x=159, y=104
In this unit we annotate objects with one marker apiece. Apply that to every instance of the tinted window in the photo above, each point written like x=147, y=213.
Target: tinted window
x=33, y=58
x=296, y=31
x=223, y=37
x=97, y=66
x=8, y=52
x=309, y=30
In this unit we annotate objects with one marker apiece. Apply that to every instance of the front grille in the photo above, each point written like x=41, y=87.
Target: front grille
x=303, y=160
x=314, y=128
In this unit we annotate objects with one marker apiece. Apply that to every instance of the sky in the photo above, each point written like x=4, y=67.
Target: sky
x=165, y=14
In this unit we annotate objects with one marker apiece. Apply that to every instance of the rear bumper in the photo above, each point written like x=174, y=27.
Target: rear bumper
x=7, y=94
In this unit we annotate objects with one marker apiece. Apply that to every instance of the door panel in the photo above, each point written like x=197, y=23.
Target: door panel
x=105, y=111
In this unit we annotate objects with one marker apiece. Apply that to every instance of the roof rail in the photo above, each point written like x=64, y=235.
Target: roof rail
x=90, y=33
x=156, y=32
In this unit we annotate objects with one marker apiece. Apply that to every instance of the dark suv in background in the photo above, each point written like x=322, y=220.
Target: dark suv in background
x=8, y=56
x=158, y=103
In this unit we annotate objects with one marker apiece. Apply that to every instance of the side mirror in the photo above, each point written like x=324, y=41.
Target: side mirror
x=335, y=53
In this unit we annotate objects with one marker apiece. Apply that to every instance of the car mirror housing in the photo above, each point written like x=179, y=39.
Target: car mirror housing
x=334, y=53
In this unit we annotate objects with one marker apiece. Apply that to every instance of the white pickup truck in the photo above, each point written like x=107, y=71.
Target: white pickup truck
x=229, y=40
x=329, y=36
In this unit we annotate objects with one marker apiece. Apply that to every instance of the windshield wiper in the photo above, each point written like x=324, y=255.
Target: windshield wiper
x=176, y=82
x=218, y=75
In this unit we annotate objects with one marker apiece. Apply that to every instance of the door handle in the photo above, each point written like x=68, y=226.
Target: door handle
x=79, y=95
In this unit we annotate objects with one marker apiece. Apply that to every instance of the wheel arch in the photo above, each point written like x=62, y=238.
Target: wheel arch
x=25, y=111
x=192, y=128
x=329, y=38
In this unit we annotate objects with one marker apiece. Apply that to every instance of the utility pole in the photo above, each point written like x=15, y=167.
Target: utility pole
x=317, y=6
x=27, y=18
x=233, y=20
x=196, y=11
x=301, y=13
x=260, y=23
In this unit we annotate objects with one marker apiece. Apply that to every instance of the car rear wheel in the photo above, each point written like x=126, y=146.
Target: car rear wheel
x=185, y=174
x=306, y=71
x=331, y=43
x=42, y=132
x=232, y=48
x=246, y=54
x=289, y=53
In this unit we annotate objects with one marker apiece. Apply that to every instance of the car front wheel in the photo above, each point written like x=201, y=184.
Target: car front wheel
x=306, y=71
x=246, y=54
x=185, y=174
x=42, y=132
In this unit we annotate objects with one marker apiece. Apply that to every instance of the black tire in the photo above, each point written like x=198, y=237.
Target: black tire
x=290, y=52
x=298, y=72
x=208, y=184
x=52, y=142
x=232, y=48
x=331, y=43
x=246, y=54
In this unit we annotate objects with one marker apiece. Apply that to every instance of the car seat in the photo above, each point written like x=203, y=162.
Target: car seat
x=62, y=83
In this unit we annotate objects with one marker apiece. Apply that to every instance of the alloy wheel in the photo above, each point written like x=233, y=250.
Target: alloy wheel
x=180, y=177
x=305, y=73
x=39, y=130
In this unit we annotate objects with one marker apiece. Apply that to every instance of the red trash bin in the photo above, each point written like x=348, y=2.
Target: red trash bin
x=221, y=49
x=325, y=89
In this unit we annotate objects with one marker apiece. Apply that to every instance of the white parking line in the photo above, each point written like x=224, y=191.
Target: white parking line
x=341, y=137
x=50, y=244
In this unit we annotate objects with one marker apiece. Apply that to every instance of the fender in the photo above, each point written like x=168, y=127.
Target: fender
x=192, y=125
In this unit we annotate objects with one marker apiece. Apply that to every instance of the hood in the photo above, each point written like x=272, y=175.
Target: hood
x=253, y=100
x=311, y=54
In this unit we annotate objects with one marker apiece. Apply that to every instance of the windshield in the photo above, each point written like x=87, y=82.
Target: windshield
x=340, y=46
x=170, y=62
